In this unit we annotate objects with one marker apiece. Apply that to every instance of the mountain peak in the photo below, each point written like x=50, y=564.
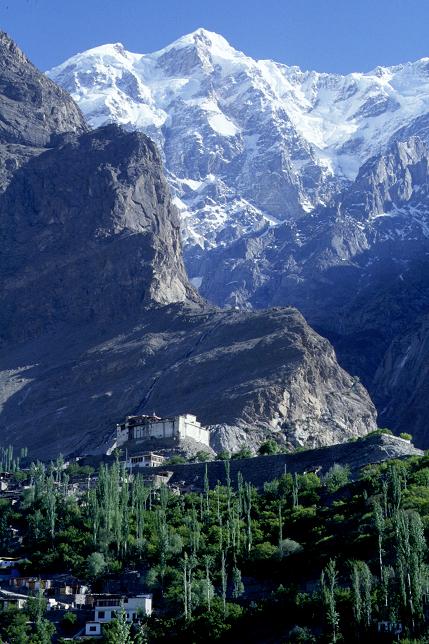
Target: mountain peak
x=205, y=40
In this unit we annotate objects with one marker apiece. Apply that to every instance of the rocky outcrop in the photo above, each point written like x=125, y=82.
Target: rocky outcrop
x=98, y=319
x=259, y=374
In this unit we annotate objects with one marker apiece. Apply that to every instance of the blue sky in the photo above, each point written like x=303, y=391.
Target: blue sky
x=327, y=35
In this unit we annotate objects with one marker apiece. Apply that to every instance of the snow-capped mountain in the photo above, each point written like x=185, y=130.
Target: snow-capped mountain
x=296, y=188
x=246, y=141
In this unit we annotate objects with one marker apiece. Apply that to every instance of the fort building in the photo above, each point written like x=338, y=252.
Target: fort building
x=136, y=429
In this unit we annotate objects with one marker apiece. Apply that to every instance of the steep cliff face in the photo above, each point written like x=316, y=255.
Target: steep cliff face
x=98, y=319
x=295, y=188
x=402, y=380
x=92, y=232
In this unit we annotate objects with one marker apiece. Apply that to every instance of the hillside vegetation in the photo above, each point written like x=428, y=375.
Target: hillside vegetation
x=302, y=560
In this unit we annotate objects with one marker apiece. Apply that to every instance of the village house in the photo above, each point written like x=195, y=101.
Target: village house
x=30, y=583
x=9, y=567
x=147, y=459
x=76, y=596
x=136, y=429
x=8, y=599
x=107, y=607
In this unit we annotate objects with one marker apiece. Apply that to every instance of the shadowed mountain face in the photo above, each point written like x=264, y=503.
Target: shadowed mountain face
x=98, y=319
x=359, y=272
x=92, y=236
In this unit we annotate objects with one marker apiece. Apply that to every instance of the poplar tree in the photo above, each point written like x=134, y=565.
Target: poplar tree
x=237, y=583
x=280, y=518
x=410, y=553
x=361, y=592
x=295, y=490
x=328, y=581
x=206, y=490
x=248, y=509
x=224, y=580
x=51, y=506
x=380, y=527
x=207, y=563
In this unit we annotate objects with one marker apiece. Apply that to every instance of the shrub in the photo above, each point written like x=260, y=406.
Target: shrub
x=289, y=547
x=405, y=436
x=245, y=452
x=378, y=432
x=269, y=447
x=202, y=457
x=74, y=469
x=337, y=476
x=69, y=619
x=301, y=634
x=264, y=551
x=176, y=460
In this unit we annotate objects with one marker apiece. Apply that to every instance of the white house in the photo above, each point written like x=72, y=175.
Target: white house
x=108, y=606
x=8, y=598
x=148, y=459
x=140, y=428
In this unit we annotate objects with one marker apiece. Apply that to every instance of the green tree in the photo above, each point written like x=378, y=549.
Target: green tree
x=14, y=626
x=410, y=553
x=36, y=607
x=380, y=526
x=269, y=447
x=95, y=565
x=237, y=583
x=337, y=476
x=328, y=583
x=361, y=593
x=44, y=631
x=118, y=631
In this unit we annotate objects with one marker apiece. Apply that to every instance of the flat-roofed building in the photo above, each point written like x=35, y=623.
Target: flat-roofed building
x=147, y=459
x=107, y=607
x=141, y=428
